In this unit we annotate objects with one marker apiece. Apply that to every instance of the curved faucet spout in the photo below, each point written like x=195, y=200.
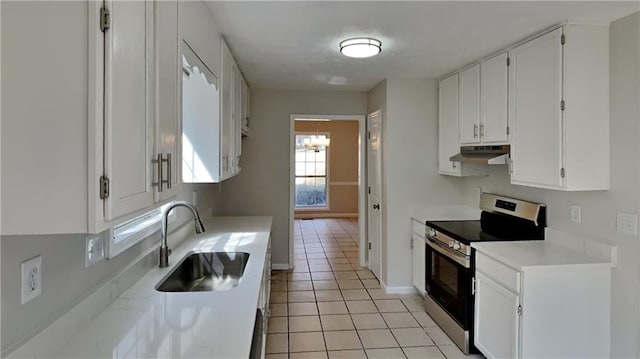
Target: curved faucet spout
x=164, y=248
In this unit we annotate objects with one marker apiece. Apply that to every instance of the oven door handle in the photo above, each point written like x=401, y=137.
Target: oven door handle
x=445, y=251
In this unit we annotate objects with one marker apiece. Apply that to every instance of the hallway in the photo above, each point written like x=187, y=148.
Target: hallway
x=330, y=307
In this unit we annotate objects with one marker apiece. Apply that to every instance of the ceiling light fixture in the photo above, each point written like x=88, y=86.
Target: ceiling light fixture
x=360, y=47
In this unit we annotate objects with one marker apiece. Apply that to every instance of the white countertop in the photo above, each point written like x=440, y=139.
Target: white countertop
x=145, y=323
x=444, y=213
x=521, y=255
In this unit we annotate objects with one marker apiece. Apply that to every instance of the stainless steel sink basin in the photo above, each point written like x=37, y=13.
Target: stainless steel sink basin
x=206, y=271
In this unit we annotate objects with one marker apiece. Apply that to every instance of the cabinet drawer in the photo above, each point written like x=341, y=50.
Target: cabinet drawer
x=419, y=228
x=497, y=271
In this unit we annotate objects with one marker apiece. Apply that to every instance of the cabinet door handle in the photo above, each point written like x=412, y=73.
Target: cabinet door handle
x=159, y=181
x=454, y=165
x=475, y=130
x=481, y=130
x=168, y=170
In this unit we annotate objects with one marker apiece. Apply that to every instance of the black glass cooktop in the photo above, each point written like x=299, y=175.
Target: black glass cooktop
x=476, y=231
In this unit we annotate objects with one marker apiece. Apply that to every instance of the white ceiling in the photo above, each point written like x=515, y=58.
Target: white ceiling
x=294, y=44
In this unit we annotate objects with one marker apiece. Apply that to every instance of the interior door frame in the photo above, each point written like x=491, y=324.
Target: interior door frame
x=362, y=178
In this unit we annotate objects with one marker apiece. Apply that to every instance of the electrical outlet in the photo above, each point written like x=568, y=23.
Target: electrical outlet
x=627, y=223
x=31, y=278
x=576, y=213
x=94, y=250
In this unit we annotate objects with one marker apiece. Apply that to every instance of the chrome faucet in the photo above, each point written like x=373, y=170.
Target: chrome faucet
x=164, y=248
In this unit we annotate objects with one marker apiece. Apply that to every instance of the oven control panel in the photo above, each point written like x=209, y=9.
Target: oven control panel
x=448, y=242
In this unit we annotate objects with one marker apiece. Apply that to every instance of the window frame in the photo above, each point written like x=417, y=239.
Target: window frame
x=327, y=206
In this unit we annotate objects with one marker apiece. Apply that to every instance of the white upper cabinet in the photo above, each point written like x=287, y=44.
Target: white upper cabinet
x=237, y=119
x=227, y=112
x=483, y=102
x=493, y=100
x=246, y=111
x=559, y=109
x=212, y=127
x=128, y=108
x=469, y=103
x=448, y=144
x=200, y=120
x=448, y=125
x=168, y=104
x=142, y=114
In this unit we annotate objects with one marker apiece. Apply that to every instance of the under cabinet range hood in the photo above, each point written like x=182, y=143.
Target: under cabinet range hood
x=488, y=155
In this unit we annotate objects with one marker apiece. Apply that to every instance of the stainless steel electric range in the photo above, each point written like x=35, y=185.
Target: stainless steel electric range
x=450, y=261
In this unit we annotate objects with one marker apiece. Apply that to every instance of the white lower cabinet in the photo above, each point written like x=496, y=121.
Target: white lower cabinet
x=542, y=309
x=418, y=248
x=263, y=302
x=497, y=322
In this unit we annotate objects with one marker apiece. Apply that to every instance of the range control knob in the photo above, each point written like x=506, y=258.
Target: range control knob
x=457, y=246
x=431, y=232
x=451, y=244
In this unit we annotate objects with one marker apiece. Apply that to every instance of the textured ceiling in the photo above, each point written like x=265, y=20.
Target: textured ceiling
x=294, y=44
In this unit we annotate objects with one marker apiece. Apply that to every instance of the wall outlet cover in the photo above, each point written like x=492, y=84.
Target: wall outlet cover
x=627, y=223
x=31, y=278
x=576, y=213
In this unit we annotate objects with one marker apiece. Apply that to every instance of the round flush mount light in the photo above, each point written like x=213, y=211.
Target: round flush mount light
x=360, y=47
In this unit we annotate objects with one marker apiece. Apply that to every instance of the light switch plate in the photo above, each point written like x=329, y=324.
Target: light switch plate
x=576, y=213
x=94, y=250
x=31, y=271
x=627, y=223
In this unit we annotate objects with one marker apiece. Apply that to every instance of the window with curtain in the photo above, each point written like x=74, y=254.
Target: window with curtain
x=311, y=172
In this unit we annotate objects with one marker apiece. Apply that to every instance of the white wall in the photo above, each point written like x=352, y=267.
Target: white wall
x=47, y=106
x=262, y=187
x=599, y=208
x=410, y=168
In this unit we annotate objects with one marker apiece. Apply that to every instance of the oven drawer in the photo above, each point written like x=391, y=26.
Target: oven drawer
x=499, y=272
x=419, y=228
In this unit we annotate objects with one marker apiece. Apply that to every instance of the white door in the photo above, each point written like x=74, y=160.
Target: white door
x=168, y=110
x=374, y=185
x=128, y=107
x=496, y=319
x=470, y=105
x=494, y=80
x=448, y=125
x=535, y=92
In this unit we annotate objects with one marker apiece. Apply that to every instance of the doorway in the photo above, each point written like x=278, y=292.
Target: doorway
x=318, y=188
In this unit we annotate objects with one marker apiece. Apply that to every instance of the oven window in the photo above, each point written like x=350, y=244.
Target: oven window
x=445, y=275
x=448, y=283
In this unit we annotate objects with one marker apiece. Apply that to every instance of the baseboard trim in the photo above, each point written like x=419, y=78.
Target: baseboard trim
x=280, y=266
x=325, y=215
x=398, y=289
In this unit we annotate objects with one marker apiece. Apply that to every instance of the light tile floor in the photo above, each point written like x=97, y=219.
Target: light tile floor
x=330, y=307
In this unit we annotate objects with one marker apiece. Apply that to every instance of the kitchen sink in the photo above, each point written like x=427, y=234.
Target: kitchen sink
x=206, y=271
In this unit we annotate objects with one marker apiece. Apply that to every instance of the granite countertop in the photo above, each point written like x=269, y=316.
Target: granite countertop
x=146, y=323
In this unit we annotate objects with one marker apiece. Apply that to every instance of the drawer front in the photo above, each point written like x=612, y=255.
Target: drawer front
x=419, y=228
x=507, y=276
